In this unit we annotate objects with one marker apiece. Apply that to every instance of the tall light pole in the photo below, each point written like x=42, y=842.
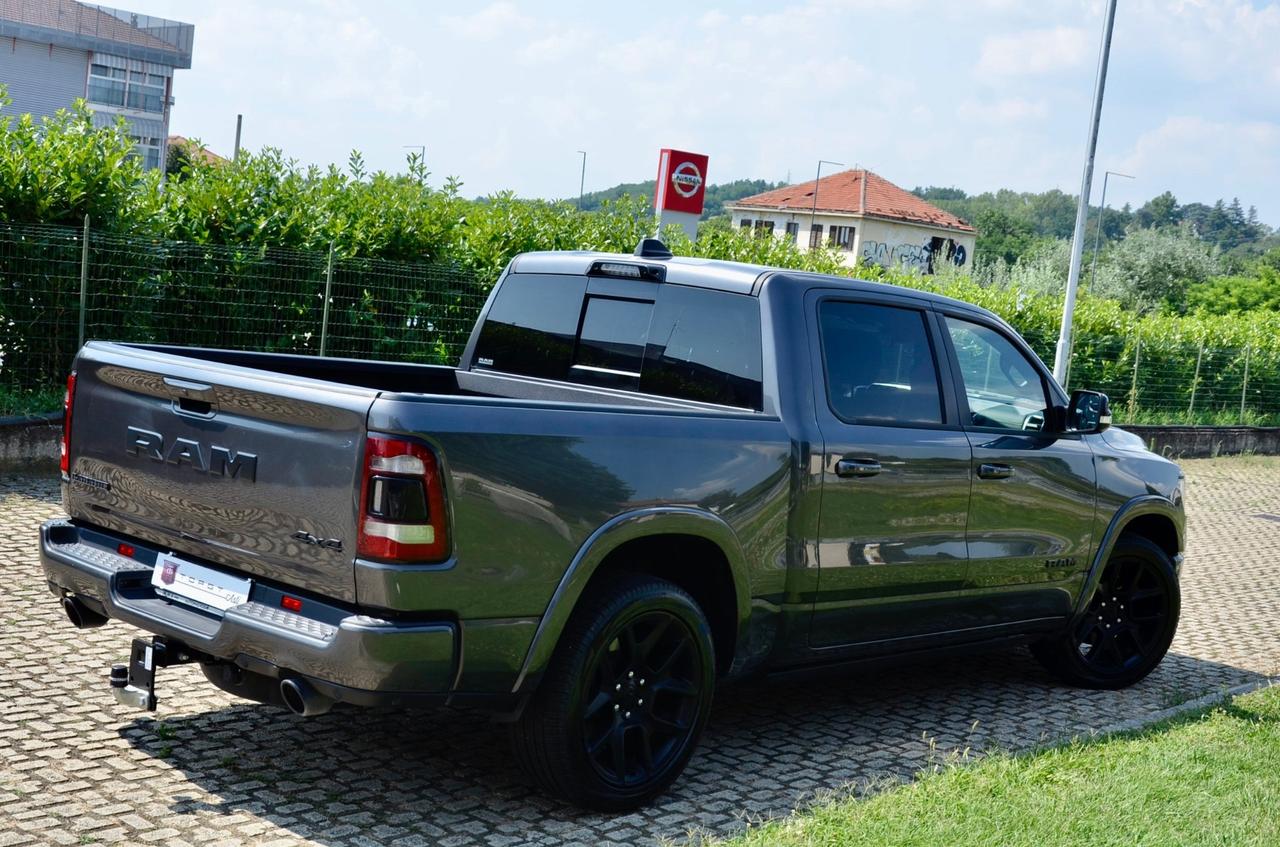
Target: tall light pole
x=582, y=180
x=813, y=213
x=1102, y=211
x=1062, y=360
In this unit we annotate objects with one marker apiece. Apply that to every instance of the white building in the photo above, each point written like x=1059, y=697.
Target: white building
x=864, y=216
x=53, y=52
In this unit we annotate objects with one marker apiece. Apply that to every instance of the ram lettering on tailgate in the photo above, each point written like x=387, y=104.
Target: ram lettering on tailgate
x=221, y=461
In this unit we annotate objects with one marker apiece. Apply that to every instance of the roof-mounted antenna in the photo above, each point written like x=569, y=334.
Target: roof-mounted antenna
x=652, y=248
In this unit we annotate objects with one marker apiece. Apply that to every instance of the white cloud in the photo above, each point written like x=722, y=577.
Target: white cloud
x=1210, y=159
x=489, y=23
x=1034, y=51
x=1006, y=110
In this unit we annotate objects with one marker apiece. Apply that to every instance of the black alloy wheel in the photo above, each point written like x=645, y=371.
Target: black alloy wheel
x=642, y=698
x=619, y=710
x=1128, y=625
x=1127, y=616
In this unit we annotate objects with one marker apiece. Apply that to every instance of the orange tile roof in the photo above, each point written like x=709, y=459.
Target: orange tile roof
x=203, y=153
x=857, y=192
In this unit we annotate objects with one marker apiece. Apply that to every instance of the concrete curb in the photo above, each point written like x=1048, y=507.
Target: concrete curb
x=1199, y=442
x=1204, y=701
x=30, y=442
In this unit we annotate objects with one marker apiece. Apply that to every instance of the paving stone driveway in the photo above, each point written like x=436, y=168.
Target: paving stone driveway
x=76, y=768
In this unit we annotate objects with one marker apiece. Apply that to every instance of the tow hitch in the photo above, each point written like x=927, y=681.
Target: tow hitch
x=134, y=684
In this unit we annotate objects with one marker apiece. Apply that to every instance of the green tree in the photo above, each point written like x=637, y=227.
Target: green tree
x=1152, y=268
x=1002, y=236
x=1160, y=211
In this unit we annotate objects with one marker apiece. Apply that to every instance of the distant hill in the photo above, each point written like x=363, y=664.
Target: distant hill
x=1051, y=214
x=717, y=195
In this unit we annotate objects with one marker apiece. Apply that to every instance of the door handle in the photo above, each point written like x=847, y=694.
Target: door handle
x=857, y=467
x=994, y=471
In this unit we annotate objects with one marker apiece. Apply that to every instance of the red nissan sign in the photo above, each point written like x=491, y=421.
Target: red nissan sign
x=682, y=182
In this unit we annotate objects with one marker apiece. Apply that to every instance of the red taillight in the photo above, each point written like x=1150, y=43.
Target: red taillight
x=68, y=399
x=402, y=514
x=293, y=604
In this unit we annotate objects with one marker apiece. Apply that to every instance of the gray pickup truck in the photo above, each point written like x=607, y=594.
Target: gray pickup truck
x=647, y=476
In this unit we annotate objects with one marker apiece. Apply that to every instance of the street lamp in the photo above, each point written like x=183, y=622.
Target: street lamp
x=582, y=180
x=1062, y=355
x=813, y=213
x=1102, y=211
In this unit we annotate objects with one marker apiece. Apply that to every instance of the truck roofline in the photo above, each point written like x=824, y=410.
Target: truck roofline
x=723, y=275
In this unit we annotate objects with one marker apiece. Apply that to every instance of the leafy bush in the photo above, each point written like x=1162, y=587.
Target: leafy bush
x=58, y=169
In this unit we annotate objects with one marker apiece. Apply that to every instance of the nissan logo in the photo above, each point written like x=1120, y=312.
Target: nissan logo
x=686, y=179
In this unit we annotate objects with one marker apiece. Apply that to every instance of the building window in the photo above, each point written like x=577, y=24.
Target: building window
x=764, y=228
x=148, y=148
x=133, y=90
x=746, y=223
x=841, y=237
x=793, y=232
x=815, y=235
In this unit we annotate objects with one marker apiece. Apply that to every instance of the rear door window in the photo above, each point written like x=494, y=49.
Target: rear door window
x=687, y=343
x=880, y=364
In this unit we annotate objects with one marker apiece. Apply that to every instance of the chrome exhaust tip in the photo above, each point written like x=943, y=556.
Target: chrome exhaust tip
x=302, y=699
x=80, y=615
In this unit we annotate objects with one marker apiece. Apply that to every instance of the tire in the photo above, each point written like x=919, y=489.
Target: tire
x=1128, y=625
x=590, y=735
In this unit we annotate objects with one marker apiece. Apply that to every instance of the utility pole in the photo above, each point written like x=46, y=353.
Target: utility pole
x=813, y=213
x=582, y=180
x=1062, y=360
x=1102, y=212
x=422, y=152
x=235, y=157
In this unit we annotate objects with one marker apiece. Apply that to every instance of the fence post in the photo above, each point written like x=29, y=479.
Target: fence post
x=84, y=276
x=1133, y=387
x=1195, y=381
x=1244, y=388
x=328, y=290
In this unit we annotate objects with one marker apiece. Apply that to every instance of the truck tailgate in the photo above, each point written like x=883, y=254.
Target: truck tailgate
x=253, y=470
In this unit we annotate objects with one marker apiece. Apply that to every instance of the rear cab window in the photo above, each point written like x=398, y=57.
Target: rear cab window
x=663, y=339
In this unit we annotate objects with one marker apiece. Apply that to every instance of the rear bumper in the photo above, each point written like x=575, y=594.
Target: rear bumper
x=349, y=657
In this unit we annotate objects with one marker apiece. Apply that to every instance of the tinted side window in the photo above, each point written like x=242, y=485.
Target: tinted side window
x=532, y=325
x=1001, y=385
x=688, y=343
x=880, y=364
x=704, y=345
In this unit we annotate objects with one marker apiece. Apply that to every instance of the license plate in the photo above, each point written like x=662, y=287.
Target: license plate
x=197, y=585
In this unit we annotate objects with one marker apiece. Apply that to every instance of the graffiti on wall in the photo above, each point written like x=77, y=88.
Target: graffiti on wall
x=917, y=256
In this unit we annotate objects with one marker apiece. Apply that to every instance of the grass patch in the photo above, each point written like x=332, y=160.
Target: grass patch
x=1210, y=778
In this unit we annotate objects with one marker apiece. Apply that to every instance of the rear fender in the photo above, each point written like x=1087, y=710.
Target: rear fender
x=609, y=537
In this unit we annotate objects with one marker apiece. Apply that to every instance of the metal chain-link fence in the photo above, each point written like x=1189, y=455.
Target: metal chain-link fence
x=61, y=284
x=1155, y=381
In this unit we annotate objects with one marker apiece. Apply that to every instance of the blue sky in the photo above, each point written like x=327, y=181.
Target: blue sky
x=981, y=95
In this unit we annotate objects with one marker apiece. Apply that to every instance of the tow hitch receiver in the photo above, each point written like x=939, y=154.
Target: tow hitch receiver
x=134, y=684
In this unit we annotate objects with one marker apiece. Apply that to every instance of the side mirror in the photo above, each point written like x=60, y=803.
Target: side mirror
x=1089, y=412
